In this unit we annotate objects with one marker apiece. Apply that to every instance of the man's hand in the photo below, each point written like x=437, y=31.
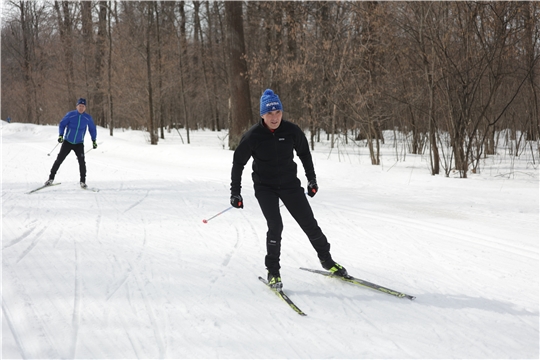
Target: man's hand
x=312, y=187
x=236, y=201
x=94, y=144
x=60, y=139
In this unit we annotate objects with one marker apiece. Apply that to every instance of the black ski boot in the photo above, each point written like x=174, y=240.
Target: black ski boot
x=334, y=268
x=274, y=280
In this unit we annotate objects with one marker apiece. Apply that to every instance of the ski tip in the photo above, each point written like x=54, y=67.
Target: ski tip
x=41, y=188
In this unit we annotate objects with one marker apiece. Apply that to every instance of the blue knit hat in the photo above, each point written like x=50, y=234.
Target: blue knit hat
x=81, y=101
x=270, y=102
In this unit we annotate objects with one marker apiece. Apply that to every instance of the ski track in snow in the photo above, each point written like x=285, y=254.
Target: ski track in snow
x=40, y=346
x=76, y=303
x=22, y=237
x=466, y=237
x=16, y=337
x=227, y=258
x=151, y=312
x=31, y=246
x=129, y=271
x=137, y=202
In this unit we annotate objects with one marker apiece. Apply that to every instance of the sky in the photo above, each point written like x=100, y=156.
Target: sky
x=132, y=271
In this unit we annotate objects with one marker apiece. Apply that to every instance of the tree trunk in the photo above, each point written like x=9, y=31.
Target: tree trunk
x=428, y=73
x=27, y=60
x=66, y=28
x=109, y=72
x=201, y=46
x=98, y=108
x=530, y=39
x=238, y=74
x=211, y=32
x=150, y=17
x=160, y=121
x=182, y=63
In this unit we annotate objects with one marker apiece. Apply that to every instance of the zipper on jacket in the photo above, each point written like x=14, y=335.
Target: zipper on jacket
x=77, y=131
x=277, y=159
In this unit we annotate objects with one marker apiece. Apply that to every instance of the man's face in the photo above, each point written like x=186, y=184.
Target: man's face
x=81, y=108
x=272, y=119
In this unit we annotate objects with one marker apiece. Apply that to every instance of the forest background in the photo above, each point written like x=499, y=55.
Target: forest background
x=453, y=78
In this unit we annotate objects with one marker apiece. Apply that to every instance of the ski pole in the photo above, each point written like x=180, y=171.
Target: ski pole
x=227, y=209
x=92, y=148
x=49, y=154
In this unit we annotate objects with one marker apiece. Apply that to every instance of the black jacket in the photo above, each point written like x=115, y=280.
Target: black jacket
x=273, y=156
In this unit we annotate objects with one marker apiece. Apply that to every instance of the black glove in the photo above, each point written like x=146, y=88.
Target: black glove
x=61, y=139
x=94, y=144
x=312, y=187
x=237, y=202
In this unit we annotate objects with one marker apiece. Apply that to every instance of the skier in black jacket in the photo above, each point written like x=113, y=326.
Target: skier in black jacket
x=271, y=143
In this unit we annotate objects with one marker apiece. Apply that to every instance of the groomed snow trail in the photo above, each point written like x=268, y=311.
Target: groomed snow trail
x=132, y=271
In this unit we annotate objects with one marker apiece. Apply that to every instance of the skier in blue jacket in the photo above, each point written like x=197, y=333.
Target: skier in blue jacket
x=72, y=129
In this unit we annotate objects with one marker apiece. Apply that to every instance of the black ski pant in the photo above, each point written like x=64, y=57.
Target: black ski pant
x=295, y=201
x=66, y=148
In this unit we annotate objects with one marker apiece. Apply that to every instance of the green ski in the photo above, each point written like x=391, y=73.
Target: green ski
x=284, y=297
x=42, y=187
x=364, y=283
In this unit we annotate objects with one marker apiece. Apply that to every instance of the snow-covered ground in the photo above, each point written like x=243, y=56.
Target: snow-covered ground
x=133, y=272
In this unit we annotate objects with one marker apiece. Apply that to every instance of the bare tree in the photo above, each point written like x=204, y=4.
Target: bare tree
x=149, y=7
x=99, y=63
x=182, y=65
x=238, y=75
x=450, y=76
x=530, y=40
x=65, y=26
x=109, y=68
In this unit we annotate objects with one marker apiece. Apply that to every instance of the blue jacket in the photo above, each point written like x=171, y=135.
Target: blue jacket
x=76, y=124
